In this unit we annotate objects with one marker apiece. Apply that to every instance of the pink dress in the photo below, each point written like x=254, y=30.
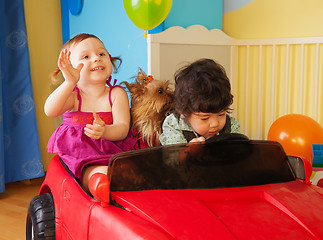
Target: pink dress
x=78, y=150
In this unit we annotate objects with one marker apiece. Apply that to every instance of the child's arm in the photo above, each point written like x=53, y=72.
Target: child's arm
x=172, y=134
x=62, y=99
x=121, y=119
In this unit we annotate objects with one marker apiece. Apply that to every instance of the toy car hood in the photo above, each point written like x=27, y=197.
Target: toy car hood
x=252, y=199
x=264, y=212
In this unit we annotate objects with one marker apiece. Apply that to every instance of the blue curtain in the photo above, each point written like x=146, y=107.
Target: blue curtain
x=20, y=157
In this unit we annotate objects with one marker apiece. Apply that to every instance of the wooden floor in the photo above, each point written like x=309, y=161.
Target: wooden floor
x=14, y=203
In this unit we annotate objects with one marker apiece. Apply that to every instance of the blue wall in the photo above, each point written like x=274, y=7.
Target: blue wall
x=185, y=13
x=108, y=20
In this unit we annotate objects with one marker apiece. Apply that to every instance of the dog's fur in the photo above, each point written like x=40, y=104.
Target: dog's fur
x=151, y=100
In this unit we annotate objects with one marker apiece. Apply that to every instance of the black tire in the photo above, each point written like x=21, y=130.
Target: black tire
x=40, y=223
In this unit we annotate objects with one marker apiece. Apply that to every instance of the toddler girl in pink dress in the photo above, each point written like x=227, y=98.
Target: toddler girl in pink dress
x=96, y=116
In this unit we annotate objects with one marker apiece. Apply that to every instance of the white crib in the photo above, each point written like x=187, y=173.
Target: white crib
x=270, y=77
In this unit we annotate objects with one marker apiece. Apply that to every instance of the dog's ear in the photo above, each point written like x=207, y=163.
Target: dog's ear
x=136, y=89
x=141, y=74
x=141, y=78
x=129, y=86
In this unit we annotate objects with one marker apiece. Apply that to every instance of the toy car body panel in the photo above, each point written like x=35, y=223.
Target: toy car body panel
x=223, y=190
x=79, y=216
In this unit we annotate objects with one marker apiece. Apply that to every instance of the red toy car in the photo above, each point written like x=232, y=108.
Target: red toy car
x=225, y=189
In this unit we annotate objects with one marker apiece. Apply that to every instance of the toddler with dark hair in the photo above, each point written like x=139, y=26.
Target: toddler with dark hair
x=202, y=103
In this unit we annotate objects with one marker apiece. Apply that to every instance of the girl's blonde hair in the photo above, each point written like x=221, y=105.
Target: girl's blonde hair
x=76, y=40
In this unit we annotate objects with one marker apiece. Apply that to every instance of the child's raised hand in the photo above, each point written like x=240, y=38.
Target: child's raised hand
x=96, y=129
x=70, y=73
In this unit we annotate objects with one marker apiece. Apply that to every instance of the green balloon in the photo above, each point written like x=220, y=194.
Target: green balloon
x=147, y=14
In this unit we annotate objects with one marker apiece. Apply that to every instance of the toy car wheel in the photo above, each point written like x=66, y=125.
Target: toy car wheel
x=40, y=222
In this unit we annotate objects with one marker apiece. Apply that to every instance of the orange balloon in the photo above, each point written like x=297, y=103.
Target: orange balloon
x=296, y=133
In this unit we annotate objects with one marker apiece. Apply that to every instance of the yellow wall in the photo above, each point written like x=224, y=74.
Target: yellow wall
x=43, y=22
x=275, y=19
x=296, y=90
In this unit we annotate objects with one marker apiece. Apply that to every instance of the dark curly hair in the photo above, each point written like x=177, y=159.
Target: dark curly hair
x=202, y=86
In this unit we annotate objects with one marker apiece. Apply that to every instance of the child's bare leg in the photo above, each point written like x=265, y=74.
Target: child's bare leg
x=89, y=171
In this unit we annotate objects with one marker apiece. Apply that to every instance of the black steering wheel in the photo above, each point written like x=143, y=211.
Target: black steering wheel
x=228, y=137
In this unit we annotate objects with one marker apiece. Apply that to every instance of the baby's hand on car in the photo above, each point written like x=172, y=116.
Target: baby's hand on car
x=200, y=139
x=70, y=73
x=95, y=130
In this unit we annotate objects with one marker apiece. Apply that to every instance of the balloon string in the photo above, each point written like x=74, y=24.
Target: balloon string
x=132, y=52
x=145, y=34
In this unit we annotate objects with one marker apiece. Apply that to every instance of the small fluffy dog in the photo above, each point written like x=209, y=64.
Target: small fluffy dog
x=151, y=100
